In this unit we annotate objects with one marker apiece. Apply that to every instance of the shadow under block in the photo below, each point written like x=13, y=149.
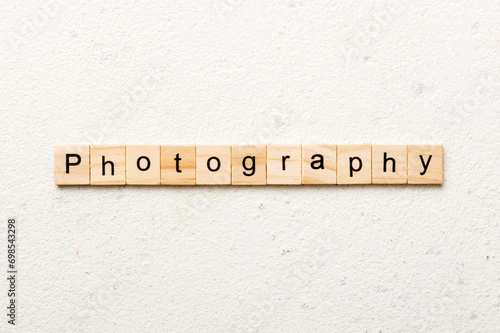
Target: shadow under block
x=107, y=165
x=178, y=165
x=213, y=165
x=319, y=164
x=425, y=164
x=71, y=165
x=354, y=164
x=249, y=165
x=143, y=165
x=389, y=165
x=284, y=165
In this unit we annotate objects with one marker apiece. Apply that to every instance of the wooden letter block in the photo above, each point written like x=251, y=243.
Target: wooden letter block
x=389, y=165
x=107, y=165
x=143, y=165
x=213, y=165
x=425, y=164
x=71, y=165
x=178, y=165
x=319, y=164
x=354, y=164
x=248, y=165
x=284, y=165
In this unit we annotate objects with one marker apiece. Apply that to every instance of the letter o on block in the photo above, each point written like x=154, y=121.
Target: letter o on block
x=143, y=165
x=213, y=165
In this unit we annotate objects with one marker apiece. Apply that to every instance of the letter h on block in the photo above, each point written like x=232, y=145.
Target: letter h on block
x=107, y=165
x=389, y=165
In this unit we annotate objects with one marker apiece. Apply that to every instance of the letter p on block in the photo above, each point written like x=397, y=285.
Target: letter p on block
x=71, y=165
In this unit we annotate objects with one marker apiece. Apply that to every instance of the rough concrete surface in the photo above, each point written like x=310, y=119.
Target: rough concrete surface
x=243, y=259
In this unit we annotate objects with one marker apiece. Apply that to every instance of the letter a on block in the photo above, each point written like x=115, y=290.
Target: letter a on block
x=425, y=164
x=319, y=164
x=71, y=165
x=107, y=165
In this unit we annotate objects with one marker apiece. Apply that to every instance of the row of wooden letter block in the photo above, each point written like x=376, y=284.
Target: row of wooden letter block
x=248, y=165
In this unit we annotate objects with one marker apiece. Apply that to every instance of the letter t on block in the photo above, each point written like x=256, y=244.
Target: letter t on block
x=425, y=164
x=71, y=165
x=178, y=165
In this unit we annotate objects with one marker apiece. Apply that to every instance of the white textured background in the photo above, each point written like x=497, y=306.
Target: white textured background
x=270, y=259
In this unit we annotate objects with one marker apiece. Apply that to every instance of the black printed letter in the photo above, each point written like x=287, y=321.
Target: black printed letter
x=389, y=159
x=252, y=168
x=139, y=163
x=104, y=162
x=424, y=164
x=350, y=164
x=215, y=159
x=177, y=159
x=68, y=164
x=283, y=159
x=320, y=166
